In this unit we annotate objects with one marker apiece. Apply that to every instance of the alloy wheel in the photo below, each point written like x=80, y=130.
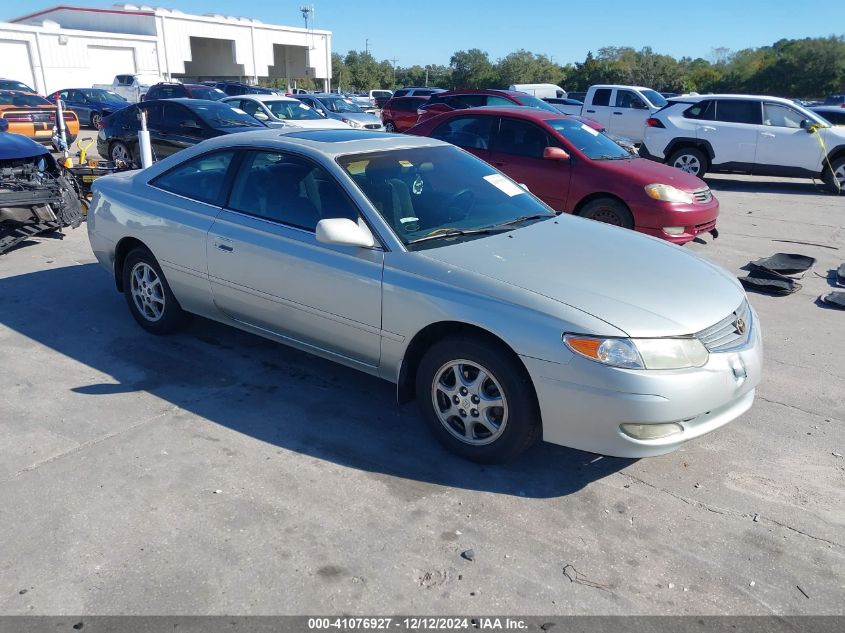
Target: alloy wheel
x=688, y=163
x=469, y=402
x=147, y=292
x=120, y=152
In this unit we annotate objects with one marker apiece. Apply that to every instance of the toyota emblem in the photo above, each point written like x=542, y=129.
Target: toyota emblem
x=740, y=326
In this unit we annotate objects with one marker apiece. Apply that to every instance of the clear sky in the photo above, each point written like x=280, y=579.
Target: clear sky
x=429, y=31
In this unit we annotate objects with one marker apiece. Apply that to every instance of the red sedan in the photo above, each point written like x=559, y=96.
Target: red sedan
x=400, y=113
x=576, y=169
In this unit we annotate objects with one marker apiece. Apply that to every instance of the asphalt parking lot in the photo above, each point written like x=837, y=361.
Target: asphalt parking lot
x=214, y=472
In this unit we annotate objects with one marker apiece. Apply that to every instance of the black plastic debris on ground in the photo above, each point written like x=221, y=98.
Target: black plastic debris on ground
x=786, y=263
x=840, y=276
x=769, y=282
x=834, y=300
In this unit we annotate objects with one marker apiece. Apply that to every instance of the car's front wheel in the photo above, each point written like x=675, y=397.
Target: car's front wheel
x=834, y=176
x=148, y=295
x=389, y=126
x=689, y=159
x=609, y=211
x=477, y=399
x=96, y=117
x=119, y=151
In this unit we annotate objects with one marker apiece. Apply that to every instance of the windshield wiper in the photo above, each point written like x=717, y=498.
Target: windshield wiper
x=455, y=233
x=609, y=157
x=524, y=218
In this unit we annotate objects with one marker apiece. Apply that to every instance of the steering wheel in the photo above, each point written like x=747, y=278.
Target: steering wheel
x=461, y=202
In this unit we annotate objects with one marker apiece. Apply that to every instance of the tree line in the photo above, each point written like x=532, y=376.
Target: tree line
x=799, y=68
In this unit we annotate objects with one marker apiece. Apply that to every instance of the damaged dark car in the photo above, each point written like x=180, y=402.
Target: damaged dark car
x=35, y=195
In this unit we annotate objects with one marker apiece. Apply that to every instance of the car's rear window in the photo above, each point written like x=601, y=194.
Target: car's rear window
x=22, y=100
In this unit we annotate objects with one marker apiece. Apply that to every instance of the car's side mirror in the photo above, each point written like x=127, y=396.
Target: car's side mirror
x=261, y=116
x=343, y=232
x=189, y=124
x=808, y=125
x=639, y=105
x=555, y=153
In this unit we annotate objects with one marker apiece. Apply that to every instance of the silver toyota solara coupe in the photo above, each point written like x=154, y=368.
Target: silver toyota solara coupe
x=412, y=260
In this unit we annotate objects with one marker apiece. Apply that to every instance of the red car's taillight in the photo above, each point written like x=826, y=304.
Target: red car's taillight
x=19, y=118
x=652, y=122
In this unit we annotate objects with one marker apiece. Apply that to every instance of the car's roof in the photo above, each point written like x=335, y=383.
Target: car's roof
x=697, y=98
x=482, y=91
x=259, y=97
x=626, y=86
x=332, y=142
x=523, y=112
x=827, y=108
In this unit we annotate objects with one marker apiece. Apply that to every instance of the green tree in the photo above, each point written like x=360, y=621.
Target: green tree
x=472, y=69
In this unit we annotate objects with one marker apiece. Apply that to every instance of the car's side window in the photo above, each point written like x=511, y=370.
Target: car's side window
x=777, y=115
x=493, y=100
x=739, y=111
x=202, y=178
x=472, y=132
x=601, y=97
x=289, y=190
x=175, y=114
x=628, y=99
x=521, y=138
x=703, y=111
x=249, y=106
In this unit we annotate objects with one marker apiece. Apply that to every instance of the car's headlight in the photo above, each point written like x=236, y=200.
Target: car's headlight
x=667, y=193
x=351, y=123
x=639, y=353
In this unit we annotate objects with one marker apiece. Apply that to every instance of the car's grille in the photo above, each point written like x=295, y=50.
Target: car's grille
x=729, y=333
x=702, y=195
x=372, y=126
x=707, y=226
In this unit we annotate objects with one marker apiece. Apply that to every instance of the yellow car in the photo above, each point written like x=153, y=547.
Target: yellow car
x=34, y=116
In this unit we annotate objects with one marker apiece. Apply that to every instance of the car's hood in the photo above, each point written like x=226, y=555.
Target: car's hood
x=361, y=117
x=310, y=124
x=641, y=285
x=648, y=172
x=15, y=146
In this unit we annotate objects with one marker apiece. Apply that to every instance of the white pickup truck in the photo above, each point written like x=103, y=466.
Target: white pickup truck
x=131, y=87
x=623, y=110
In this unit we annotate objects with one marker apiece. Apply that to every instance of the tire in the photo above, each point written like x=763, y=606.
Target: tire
x=389, y=126
x=148, y=295
x=118, y=150
x=689, y=159
x=609, y=211
x=511, y=426
x=95, y=118
x=834, y=176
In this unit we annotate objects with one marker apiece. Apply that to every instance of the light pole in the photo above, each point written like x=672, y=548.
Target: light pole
x=367, y=46
x=394, y=60
x=427, y=67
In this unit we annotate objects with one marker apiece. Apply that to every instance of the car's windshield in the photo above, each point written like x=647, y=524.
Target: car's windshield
x=336, y=104
x=292, y=109
x=656, y=98
x=222, y=115
x=592, y=143
x=429, y=195
x=105, y=96
x=533, y=102
x=212, y=94
x=22, y=100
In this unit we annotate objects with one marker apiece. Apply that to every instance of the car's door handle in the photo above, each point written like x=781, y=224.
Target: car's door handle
x=591, y=111
x=767, y=134
x=223, y=244
x=707, y=128
x=617, y=113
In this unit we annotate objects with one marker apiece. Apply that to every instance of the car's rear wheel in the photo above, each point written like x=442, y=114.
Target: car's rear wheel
x=96, y=117
x=609, y=211
x=389, y=126
x=477, y=399
x=834, y=176
x=119, y=151
x=689, y=159
x=148, y=295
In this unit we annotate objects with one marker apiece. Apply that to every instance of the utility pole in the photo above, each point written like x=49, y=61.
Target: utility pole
x=367, y=46
x=426, y=75
x=394, y=60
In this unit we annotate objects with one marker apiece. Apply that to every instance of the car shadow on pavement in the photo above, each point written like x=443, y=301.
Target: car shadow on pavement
x=268, y=391
x=791, y=187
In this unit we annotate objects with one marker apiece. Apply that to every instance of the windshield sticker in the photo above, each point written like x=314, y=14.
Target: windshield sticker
x=587, y=128
x=406, y=163
x=504, y=185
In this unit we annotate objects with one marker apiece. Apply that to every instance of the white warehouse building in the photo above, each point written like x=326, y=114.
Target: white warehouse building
x=76, y=47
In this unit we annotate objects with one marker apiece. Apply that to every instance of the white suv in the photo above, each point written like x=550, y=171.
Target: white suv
x=764, y=136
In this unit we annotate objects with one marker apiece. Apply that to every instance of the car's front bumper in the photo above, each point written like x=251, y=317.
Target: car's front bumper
x=653, y=217
x=583, y=403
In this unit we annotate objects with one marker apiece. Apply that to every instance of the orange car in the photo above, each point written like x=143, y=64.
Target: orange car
x=34, y=116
